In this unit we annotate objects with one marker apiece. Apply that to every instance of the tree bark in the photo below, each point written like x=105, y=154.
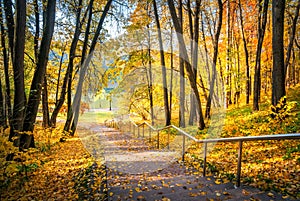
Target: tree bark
x=181, y=70
x=229, y=57
x=262, y=22
x=248, y=83
x=10, y=25
x=215, y=57
x=195, y=40
x=172, y=73
x=291, y=40
x=278, y=77
x=188, y=66
x=18, y=69
x=6, y=66
x=68, y=77
x=163, y=66
x=39, y=75
x=150, y=74
x=77, y=98
x=46, y=118
x=71, y=66
x=2, y=109
x=70, y=120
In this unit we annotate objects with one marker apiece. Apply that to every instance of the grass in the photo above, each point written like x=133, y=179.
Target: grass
x=268, y=165
x=98, y=116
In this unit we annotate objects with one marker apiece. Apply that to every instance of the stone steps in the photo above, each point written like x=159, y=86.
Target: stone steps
x=169, y=181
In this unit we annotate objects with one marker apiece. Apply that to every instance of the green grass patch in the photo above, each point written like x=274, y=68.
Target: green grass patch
x=97, y=116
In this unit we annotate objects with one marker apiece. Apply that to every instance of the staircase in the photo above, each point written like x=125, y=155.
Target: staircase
x=136, y=172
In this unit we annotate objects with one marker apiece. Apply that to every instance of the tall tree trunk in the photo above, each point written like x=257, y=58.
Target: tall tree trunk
x=228, y=58
x=18, y=69
x=163, y=66
x=77, y=98
x=262, y=22
x=67, y=77
x=46, y=118
x=206, y=58
x=248, y=83
x=46, y=121
x=70, y=68
x=87, y=32
x=215, y=57
x=70, y=120
x=278, y=77
x=172, y=72
x=70, y=114
x=39, y=75
x=2, y=109
x=6, y=66
x=195, y=40
x=188, y=66
x=150, y=79
x=37, y=30
x=149, y=74
x=181, y=71
x=291, y=40
x=10, y=25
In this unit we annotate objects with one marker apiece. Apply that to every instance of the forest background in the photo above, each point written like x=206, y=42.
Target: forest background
x=184, y=62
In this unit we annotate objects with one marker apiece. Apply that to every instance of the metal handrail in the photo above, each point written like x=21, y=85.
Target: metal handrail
x=206, y=141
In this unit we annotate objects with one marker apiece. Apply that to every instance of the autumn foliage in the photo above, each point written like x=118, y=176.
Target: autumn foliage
x=53, y=170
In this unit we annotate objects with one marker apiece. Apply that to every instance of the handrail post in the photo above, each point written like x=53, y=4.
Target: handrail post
x=239, y=167
x=204, y=159
x=157, y=139
x=138, y=131
x=183, y=147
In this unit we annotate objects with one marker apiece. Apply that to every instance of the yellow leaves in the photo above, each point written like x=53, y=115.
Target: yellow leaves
x=193, y=194
x=47, y=172
x=285, y=197
x=245, y=192
x=137, y=189
x=218, y=181
x=203, y=193
x=226, y=193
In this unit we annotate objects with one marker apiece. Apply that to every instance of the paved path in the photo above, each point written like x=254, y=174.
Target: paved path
x=135, y=172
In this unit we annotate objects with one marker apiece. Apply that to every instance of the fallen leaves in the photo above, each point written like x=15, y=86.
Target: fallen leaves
x=53, y=170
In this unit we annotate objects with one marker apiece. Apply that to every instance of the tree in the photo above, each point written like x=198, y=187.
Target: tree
x=178, y=29
x=262, y=22
x=39, y=76
x=291, y=39
x=68, y=75
x=215, y=58
x=77, y=98
x=163, y=67
x=228, y=56
x=7, y=96
x=149, y=71
x=278, y=74
x=181, y=68
x=248, y=83
x=2, y=108
x=18, y=67
x=194, y=50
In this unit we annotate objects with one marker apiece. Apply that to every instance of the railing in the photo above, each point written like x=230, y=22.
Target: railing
x=240, y=140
